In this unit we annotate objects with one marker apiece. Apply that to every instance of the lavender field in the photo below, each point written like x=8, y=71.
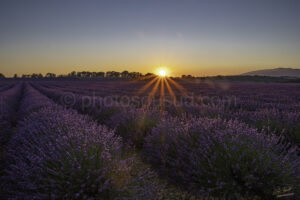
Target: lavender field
x=146, y=139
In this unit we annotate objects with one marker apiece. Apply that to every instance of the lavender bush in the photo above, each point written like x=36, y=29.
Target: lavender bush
x=221, y=158
x=60, y=154
x=133, y=125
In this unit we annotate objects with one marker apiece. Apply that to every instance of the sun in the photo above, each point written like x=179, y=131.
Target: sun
x=162, y=73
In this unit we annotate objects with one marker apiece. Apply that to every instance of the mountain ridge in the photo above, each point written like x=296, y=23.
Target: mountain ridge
x=276, y=72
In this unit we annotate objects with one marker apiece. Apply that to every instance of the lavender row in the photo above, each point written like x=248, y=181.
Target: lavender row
x=33, y=101
x=6, y=87
x=226, y=159
x=9, y=100
x=60, y=154
x=281, y=122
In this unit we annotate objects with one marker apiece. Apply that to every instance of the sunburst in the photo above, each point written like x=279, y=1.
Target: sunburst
x=161, y=85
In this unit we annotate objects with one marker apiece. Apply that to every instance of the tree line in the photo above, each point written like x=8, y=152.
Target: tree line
x=88, y=74
x=84, y=74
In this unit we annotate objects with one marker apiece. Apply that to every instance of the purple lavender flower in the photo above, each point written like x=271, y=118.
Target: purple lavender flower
x=221, y=157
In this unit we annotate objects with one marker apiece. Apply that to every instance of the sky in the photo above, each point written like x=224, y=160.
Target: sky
x=198, y=37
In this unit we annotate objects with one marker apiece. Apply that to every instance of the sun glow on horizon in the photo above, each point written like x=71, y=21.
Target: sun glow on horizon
x=162, y=72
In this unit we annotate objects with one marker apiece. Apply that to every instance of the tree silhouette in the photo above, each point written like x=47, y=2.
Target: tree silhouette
x=113, y=74
x=125, y=74
x=34, y=75
x=100, y=74
x=50, y=75
x=72, y=74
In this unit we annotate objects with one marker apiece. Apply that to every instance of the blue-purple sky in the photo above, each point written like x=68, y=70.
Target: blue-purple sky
x=199, y=37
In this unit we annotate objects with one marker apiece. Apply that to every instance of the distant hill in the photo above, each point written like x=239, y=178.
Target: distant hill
x=278, y=72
